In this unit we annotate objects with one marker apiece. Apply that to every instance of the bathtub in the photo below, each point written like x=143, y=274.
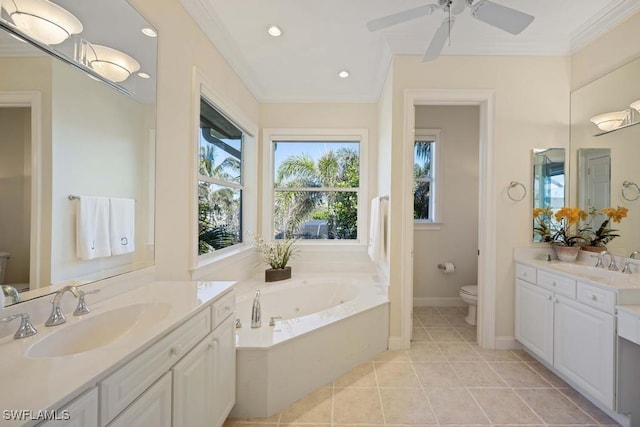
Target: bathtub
x=328, y=325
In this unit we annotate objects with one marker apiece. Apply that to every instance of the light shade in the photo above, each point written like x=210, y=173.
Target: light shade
x=636, y=105
x=42, y=20
x=609, y=121
x=111, y=63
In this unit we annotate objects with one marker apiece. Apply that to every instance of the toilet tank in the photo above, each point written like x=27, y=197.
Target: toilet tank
x=4, y=256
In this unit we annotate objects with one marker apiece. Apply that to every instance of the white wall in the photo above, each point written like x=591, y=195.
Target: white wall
x=100, y=148
x=385, y=141
x=532, y=111
x=15, y=191
x=457, y=239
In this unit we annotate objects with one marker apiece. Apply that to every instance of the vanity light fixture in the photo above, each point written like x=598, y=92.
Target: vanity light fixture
x=344, y=74
x=42, y=20
x=274, y=31
x=610, y=121
x=143, y=75
x=149, y=32
x=110, y=63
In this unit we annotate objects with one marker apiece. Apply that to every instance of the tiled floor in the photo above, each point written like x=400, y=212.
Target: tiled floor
x=444, y=379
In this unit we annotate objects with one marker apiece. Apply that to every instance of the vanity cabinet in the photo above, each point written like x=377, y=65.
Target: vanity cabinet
x=152, y=408
x=204, y=380
x=81, y=412
x=571, y=326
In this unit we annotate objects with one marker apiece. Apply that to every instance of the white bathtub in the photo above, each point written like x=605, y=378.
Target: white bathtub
x=329, y=325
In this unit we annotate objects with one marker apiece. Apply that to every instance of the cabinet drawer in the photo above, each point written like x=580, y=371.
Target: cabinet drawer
x=82, y=412
x=223, y=308
x=526, y=273
x=629, y=326
x=557, y=284
x=123, y=386
x=595, y=297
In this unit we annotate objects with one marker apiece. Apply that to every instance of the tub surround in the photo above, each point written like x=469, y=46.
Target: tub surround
x=50, y=383
x=580, y=321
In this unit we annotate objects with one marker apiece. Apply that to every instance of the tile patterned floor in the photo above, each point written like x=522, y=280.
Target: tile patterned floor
x=444, y=379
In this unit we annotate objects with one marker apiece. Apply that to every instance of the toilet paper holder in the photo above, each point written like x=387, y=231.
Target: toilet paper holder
x=447, y=267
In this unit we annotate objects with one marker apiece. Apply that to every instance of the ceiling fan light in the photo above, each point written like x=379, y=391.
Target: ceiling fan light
x=42, y=20
x=111, y=63
x=609, y=121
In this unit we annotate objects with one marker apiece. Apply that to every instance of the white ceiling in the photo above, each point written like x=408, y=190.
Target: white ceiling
x=323, y=37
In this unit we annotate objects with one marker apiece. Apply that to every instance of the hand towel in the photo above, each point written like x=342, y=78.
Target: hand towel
x=376, y=248
x=92, y=228
x=122, y=220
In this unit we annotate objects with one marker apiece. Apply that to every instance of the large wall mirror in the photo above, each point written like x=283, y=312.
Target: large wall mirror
x=549, y=179
x=77, y=114
x=604, y=159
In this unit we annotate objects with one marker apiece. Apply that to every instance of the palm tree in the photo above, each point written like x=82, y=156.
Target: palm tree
x=421, y=188
x=333, y=169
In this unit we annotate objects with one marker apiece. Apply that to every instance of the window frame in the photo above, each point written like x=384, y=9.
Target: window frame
x=435, y=208
x=271, y=136
x=248, y=178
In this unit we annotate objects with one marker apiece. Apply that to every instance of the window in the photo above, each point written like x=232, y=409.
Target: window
x=424, y=176
x=220, y=181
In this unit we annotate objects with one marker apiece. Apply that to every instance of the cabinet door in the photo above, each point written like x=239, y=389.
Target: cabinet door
x=584, y=348
x=82, y=412
x=224, y=391
x=193, y=379
x=534, y=319
x=151, y=409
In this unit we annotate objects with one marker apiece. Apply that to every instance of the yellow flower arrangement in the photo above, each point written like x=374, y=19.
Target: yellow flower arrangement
x=603, y=234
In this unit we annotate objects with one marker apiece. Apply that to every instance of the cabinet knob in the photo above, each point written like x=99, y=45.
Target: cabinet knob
x=554, y=283
x=176, y=349
x=227, y=307
x=593, y=297
x=524, y=274
x=550, y=297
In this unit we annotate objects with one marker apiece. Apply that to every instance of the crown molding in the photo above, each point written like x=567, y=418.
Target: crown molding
x=608, y=18
x=202, y=12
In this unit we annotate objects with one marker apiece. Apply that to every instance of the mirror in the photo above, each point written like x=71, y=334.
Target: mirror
x=549, y=186
x=604, y=165
x=67, y=133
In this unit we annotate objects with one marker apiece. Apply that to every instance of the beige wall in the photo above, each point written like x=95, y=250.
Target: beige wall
x=15, y=191
x=181, y=47
x=457, y=239
x=532, y=110
x=613, y=49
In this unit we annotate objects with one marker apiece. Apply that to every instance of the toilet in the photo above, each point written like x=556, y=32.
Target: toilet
x=469, y=295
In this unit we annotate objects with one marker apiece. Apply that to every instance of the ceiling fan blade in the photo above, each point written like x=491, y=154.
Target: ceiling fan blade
x=503, y=17
x=398, y=18
x=438, y=41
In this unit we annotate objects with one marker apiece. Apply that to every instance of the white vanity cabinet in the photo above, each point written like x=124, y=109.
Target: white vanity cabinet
x=571, y=326
x=81, y=412
x=204, y=380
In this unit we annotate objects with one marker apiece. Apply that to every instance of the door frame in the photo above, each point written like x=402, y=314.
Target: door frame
x=32, y=100
x=485, y=99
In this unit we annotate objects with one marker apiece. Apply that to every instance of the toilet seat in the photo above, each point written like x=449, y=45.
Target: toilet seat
x=469, y=290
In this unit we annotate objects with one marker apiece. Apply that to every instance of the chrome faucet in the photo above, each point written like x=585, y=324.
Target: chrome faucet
x=11, y=291
x=612, y=264
x=601, y=255
x=25, y=329
x=256, y=312
x=57, y=317
x=634, y=254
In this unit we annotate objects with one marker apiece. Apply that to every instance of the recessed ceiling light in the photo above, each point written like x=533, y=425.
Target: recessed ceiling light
x=149, y=32
x=143, y=75
x=274, y=31
x=343, y=74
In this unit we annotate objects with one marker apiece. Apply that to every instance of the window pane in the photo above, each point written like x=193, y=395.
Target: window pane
x=316, y=164
x=219, y=215
x=421, y=199
x=422, y=174
x=220, y=146
x=316, y=214
x=422, y=158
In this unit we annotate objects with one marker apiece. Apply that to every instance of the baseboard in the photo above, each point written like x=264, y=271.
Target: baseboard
x=438, y=302
x=396, y=343
x=507, y=343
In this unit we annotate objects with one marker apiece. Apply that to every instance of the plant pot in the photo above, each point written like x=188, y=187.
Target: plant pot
x=275, y=274
x=567, y=253
x=597, y=249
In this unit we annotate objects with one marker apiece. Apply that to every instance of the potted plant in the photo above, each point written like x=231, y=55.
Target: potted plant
x=277, y=254
x=562, y=229
x=597, y=238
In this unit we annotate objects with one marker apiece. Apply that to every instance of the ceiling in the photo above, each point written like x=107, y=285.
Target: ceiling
x=320, y=38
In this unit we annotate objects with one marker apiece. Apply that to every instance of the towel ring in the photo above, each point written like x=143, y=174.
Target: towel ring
x=627, y=184
x=513, y=185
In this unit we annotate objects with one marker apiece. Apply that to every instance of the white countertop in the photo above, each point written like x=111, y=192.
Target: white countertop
x=48, y=383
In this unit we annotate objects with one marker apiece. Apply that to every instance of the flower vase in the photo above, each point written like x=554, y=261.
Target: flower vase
x=276, y=274
x=567, y=253
x=597, y=249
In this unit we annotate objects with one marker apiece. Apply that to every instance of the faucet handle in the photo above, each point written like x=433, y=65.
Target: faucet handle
x=612, y=265
x=25, y=329
x=82, y=308
x=627, y=268
x=272, y=321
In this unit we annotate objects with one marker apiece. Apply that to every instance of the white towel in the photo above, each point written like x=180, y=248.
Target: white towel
x=122, y=220
x=92, y=228
x=376, y=228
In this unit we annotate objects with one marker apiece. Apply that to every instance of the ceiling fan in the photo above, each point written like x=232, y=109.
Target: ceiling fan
x=502, y=17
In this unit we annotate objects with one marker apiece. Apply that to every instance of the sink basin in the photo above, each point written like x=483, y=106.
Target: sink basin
x=98, y=330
